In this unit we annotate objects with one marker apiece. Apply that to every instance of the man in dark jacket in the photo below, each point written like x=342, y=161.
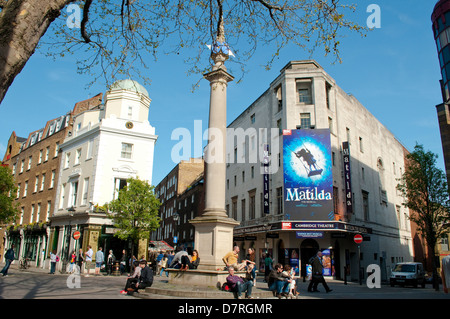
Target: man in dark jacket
x=145, y=279
x=238, y=286
x=9, y=258
x=278, y=283
x=317, y=274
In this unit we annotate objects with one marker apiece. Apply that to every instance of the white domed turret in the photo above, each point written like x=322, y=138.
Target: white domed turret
x=129, y=85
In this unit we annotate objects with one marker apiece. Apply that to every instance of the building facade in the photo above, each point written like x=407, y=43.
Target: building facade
x=108, y=144
x=35, y=163
x=364, y=160
x=181, y=195
x=441, y=30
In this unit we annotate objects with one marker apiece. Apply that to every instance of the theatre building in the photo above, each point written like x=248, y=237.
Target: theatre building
x=308, y=168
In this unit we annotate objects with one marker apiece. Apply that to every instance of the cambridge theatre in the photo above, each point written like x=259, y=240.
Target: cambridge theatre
x=308, y=168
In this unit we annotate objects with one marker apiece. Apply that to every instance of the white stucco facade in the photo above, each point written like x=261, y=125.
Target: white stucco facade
x=304, y=96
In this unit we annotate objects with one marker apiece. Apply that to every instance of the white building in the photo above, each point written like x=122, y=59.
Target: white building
x=109, y=144
x=305, y=97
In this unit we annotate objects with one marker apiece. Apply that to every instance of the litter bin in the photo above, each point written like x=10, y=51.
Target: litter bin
x=116, y=269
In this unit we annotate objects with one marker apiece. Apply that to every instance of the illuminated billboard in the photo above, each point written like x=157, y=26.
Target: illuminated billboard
x=308, y=177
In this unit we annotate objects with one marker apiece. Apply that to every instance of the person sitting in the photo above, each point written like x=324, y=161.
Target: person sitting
x=231, y=259
x=133, y=279
x=187, y=263
x=176, y=261
x=145, y=279
x=238, y=286
x=279, y=283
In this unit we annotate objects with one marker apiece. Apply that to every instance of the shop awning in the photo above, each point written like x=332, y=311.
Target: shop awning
x=159, y=245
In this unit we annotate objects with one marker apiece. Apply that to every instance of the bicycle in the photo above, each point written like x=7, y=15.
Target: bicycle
x=24, y=263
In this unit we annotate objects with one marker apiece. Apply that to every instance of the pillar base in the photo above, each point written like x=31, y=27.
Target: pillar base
x=213, y=239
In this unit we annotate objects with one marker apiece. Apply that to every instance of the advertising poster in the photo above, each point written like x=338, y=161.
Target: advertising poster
x=308, y=178
x=327, y=263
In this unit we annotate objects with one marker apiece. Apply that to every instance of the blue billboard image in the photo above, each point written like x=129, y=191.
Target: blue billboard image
x=308, y=176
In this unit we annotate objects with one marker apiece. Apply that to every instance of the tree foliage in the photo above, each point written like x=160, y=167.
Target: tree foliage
x=135, y=211
x=121, y=37
x=8, y=208
x=425, y=191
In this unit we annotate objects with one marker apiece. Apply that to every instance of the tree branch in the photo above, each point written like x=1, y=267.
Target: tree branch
x=84, y=34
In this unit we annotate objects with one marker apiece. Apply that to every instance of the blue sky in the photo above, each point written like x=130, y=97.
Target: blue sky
x=394, y=72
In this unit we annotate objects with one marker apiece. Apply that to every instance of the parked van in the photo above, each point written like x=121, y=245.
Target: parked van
x=410, y=273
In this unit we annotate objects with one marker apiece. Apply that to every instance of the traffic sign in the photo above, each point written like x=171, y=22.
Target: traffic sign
x=358, y=238
x=76, y=235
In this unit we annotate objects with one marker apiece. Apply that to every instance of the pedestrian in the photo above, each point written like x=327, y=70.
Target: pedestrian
x=99, y=259
x=317, y=274
x=238, y=286
x=445, y=273
x=278, y=283
x=190, y=263
x=158, y=261
x=268, y=266
x=123, y=262
x=110, y=261
x=80, y=260
x=89, y=255
x=145, y=279
x=163, y=265
x=251, y=261
x=132, y=279
x=73, y=258
x=9, y=258
x=53, y=260
x=290, y=273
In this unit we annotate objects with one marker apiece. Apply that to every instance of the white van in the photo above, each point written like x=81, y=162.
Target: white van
x=409, y=273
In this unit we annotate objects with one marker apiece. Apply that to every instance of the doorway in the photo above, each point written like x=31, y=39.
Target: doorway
x=308, y=249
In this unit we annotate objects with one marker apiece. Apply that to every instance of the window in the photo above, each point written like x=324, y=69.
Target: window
x=279, y=123
x=243, y=208
x=22, y=165
x=278, y=93
x=252, y=118
x=305, y=120
x=251, y=205
x=234, y=207
x=280, y=200
x=42, y=182
x=85, y=191
x=119, y=183
x=30, y=159
x=127, y=150
x=67, y=160
x=38, y=213
x=41, y=154
x=36, y=184
x=32, y=214
x=62, y=196
x=47, y=152
x=56, y=149
x=361, y=148
x=14, y=169
x=49, y=207
x=25, y=190
x=130, y=112
x=330, y=124
x=327, y=92
x=18, y=191
x=304, y=96
x=365, y=198
x=73, y=193
x=78, y=156
x=52, y=182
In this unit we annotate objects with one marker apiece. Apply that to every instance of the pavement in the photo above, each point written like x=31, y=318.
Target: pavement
x=108, y=287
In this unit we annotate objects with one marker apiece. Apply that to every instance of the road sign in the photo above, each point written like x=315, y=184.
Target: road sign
x=76, y=235
x=358, y=238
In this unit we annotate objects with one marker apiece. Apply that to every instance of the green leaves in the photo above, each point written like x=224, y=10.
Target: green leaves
x=135, y=211
x=8, y=208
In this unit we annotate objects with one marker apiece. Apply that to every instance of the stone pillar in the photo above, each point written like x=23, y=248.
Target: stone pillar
x=214, y=229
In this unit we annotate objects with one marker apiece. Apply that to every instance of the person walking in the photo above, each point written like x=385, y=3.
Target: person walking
x=73, y=258
x=80, y=260
x=89, y=255
x=110, y=261
x=445, y=273
x=317, y=274
x=9, y=258
x=53, y=260
x=99, y=259
x=123, y=262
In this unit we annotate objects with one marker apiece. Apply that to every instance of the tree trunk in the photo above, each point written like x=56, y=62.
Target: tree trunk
x=22, y=24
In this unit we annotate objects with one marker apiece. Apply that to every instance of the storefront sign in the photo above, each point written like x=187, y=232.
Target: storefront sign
x=308, y=178
x=347, y=177
x=322, y=226
x=308, y=234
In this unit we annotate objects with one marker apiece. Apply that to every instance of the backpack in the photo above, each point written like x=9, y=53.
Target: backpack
x=57, y=258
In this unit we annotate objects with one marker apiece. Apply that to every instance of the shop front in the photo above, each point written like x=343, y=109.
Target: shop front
x=295, y=243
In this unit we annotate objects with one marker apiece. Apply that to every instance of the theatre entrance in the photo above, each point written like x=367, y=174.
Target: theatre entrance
x=308, y=248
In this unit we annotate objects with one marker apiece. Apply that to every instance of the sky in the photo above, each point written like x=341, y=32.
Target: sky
x=393, y=72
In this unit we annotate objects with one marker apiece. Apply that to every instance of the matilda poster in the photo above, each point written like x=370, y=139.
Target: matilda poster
x=308, y=178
